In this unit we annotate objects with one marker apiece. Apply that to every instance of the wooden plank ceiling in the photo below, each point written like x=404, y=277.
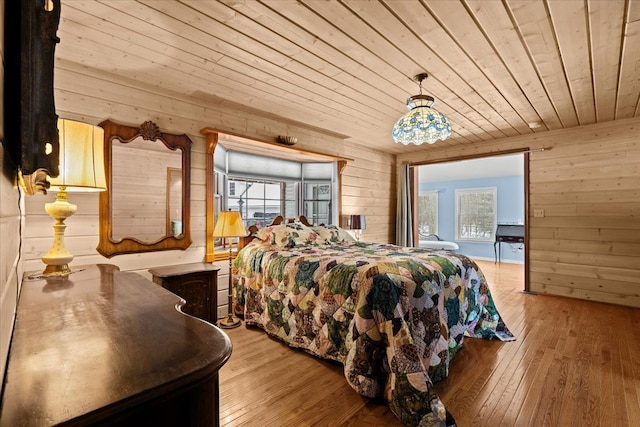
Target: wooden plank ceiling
x=497, y=68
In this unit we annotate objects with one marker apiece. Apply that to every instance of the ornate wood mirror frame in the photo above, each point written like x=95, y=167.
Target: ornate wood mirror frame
x=174, y=234
x=256, y=146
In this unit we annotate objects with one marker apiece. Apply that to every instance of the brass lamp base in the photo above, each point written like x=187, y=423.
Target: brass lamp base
x=229, y=322
x=56, y=270
x=58, y=258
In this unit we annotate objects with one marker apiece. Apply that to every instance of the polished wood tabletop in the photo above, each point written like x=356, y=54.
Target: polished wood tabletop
x=100, y=342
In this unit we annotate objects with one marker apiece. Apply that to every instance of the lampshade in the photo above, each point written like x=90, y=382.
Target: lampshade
x=229, y=224
x=81, y=157
x=357, y=222
x=421, y=124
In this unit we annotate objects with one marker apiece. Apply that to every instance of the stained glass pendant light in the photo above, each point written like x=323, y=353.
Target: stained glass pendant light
x=422, y=124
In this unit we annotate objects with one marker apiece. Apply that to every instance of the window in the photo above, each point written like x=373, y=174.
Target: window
x=317, y=202
x=235, y=163
x=260, y=201
x=261, y=188
x=427, y=213
x=476, y=214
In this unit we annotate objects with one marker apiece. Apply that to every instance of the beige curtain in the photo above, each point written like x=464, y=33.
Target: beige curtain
x=404, y=219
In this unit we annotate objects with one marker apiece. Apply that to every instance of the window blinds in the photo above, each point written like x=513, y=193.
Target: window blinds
x=248, y=165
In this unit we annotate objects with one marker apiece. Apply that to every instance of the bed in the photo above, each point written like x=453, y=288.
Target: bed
x=393, y=316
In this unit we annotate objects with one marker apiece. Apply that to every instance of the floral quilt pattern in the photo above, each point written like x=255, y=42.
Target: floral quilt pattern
x=393, y=316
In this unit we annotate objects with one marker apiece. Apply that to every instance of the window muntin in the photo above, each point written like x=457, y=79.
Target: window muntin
x=476, y=217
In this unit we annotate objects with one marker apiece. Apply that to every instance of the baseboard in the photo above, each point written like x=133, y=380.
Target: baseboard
x=506, y=261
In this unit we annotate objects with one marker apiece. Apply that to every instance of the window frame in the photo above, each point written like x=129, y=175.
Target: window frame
x=234, y=179
x=303, y=200
x=434, y=193
x=466, y=191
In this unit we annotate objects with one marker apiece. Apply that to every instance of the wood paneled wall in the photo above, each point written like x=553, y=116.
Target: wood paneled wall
x=10, y=221
x=587, y=185
x=93, y=96
x=10, y=261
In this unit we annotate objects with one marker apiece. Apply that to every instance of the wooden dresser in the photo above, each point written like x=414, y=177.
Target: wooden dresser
x=105, y=347
x=197, y=283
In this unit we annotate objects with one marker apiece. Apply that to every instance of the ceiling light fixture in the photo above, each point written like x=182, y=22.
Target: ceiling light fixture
x=535, y=125
x=422, y=123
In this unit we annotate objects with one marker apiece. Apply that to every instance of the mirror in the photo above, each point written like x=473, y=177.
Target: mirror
x=146, y=205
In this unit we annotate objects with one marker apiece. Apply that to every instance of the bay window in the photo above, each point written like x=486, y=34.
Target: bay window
x=262, y=187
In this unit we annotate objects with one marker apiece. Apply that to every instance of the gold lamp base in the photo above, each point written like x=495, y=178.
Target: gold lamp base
x=229, y=322
x=56, y=270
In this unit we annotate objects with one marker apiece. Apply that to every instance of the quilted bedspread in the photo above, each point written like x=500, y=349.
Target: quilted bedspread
x=393, y=316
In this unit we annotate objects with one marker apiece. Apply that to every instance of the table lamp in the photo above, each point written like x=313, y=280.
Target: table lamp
x=229, y=224
x=357, y=223
x=81, y=170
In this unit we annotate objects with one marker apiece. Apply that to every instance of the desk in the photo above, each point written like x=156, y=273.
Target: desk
x=105, y=347
x=507, y=233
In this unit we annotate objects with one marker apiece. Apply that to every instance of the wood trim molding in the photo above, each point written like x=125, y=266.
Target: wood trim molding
x=341, y=165
x=212, y=142
x=470, y=157
x=272, y=145
x=413, y=178
x=527, y=283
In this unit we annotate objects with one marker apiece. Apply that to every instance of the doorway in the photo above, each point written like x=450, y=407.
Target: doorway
x=463, y=201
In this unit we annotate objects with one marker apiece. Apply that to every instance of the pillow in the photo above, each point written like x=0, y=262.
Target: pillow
x=289, y=235
x=334, y=234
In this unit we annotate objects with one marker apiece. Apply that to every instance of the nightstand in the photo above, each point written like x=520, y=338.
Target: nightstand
x=196, y=283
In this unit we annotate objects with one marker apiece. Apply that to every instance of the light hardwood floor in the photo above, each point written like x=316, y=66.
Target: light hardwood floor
x=574, y=363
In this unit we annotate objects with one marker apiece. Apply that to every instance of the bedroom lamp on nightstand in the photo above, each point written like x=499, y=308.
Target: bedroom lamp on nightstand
x=81, y=170
x=357, y=223
x=229, y=225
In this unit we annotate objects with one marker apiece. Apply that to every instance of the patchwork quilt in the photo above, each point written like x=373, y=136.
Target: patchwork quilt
x=393, y=316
